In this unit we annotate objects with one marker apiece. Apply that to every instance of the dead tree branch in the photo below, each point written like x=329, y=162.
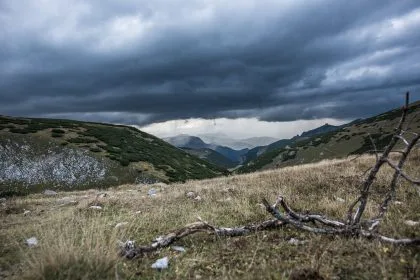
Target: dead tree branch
x=363, y=198
x=201, y=226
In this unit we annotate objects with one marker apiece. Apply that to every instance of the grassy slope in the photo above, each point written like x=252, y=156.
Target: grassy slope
x=349, y=140
x=80, y=243
x=211, y=156
x=127, y=146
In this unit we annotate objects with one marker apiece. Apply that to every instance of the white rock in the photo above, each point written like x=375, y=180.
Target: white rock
x=96, y=207
x=398, y=202
x=26, y=212
x=161, y=263
x=152, y=192
x=198, y=198
x=178, y=249
x=137, y=212
x=295, y=241
x=190, y=194
x=411, y=223
x=339, y=199
x=32, y=242
x=50, y=192
x=128, y=245
x=120, y=225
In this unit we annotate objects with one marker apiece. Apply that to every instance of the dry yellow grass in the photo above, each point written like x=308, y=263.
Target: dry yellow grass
x=76, y=242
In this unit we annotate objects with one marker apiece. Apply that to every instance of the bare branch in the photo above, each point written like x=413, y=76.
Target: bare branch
x=363, y=198
x=402, y=139
x=170, y=238
x=307, y=217
x=402, y=174
x=288, y=219
x=345, y=230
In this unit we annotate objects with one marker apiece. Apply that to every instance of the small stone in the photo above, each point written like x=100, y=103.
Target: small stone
x=26, y=213
x=178, y=249
x=152, y=192
x=339, y=199
x=32, y=242
x=411, y=223
x=96, y=207
x=121, y=225
x=198, y=198
x=127, y=245
x=162, y=263
x=137, y=212
x=50, y=192
x=190, y=194
x=295, y=241
x=398, y=202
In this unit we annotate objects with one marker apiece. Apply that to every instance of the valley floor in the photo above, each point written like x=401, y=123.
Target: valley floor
x=78, y=242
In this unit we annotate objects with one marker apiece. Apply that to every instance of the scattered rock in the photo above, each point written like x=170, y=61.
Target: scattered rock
x=295, y=241
x=339, y=199
x=198, y=198
x=121, y=225
x=411, y=223
x=190, y=194
x=127, y=245
x=32, y=242
x=178, y=249
x=96, y=207
x=162, y=263
x=152, y=192
x=50, y=192
x=26, y=213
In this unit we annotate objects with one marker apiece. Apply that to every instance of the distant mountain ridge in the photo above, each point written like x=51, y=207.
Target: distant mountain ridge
x=189, y=143
x=220, y=139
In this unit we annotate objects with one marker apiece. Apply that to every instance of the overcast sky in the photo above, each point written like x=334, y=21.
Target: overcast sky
x=249, y=68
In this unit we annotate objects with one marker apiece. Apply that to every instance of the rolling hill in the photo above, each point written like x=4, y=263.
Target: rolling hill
x=333, y=142
x=188, y=143
x=212, y=157
x=221, y=139
x=40, y=153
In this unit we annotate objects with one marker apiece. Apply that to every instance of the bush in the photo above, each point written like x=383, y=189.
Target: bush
x=58, y=131
x=95, y=150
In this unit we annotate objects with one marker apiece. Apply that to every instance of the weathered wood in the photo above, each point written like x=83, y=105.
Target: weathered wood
x=201, y=226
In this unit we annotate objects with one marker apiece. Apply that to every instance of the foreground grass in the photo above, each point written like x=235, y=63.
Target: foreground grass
x=76, y=242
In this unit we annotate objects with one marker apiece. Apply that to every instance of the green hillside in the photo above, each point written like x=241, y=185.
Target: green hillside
x=212, y=157
x=124, y=154
x=348, y=140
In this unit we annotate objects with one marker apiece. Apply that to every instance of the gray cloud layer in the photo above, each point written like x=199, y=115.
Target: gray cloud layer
x=148, y=61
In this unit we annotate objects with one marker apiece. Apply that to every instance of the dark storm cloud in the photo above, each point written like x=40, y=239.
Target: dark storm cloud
x=141, y=62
